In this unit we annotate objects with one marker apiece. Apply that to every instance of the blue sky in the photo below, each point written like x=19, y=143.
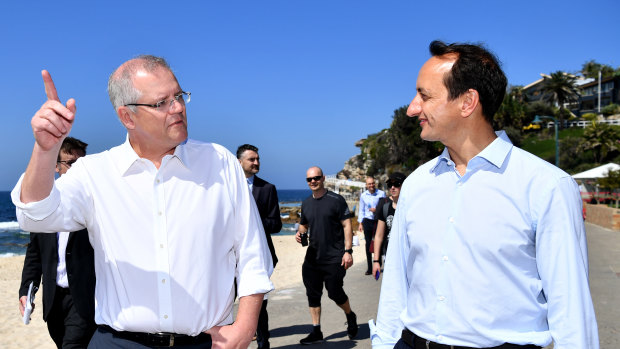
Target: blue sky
x=302, y=80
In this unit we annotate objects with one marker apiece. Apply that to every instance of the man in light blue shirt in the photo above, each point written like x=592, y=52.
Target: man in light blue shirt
x=366, y=216
x=488, y=246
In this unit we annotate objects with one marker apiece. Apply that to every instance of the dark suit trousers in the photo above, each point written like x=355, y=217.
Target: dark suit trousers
x=262, y=329
x=370, y=226
x=66, y=327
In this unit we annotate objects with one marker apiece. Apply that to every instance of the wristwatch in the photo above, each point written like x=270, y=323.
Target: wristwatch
x=350, y=251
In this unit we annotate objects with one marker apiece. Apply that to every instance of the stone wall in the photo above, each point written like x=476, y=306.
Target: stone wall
x=604, y=216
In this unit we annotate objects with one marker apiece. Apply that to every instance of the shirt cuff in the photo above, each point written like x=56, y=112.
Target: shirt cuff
x=37, y=210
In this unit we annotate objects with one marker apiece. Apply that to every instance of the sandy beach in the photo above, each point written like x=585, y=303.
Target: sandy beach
x=16, y=335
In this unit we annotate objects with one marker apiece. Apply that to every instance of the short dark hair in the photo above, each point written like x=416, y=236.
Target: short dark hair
x=72, y=146
x=475, y=68
x=243, y=148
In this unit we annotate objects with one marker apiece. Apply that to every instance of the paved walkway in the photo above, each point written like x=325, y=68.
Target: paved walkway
x=290, y=321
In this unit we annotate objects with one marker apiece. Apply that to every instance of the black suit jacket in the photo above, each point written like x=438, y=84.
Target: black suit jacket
x=42, y=258
x=266, y=198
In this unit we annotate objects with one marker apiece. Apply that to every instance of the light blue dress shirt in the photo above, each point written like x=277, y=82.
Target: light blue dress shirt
x=496, y=255
x=368, y=201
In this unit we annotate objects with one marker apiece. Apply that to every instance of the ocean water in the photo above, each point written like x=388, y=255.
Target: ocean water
x=13, y=241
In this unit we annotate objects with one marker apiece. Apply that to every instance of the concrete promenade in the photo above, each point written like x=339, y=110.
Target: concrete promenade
x=290, y=320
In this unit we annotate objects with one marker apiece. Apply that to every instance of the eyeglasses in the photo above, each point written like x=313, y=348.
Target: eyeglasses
x=67, y=163
x=393, y=184
x=164, y=106
x=315, y=178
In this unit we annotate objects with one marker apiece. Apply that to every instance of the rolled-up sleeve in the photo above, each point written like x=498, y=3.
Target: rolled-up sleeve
x=254, y=264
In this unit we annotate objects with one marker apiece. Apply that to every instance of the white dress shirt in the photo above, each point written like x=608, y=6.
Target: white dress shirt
x=61, y=267
x=168, y=242
x=496, y=255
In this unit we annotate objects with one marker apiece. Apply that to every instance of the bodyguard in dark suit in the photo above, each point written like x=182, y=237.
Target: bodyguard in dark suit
x=266, y=198
x=68, y=298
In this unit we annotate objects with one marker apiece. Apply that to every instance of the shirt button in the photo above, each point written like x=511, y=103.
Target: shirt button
x=163, y=281
x=441, y=298
x=158, y=181
x=451, y=219
x=161, y=245
x=445, y=258
x=165, y=316
x=159, y=213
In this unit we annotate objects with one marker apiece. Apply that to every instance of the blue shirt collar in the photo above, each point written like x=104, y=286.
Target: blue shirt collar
x=495, y=153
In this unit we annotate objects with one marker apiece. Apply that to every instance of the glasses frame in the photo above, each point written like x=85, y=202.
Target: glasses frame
x=315, y=178
x=159, y=104
x=394, y=184
x=67, y=163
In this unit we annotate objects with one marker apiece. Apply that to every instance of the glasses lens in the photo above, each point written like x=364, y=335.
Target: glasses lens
x=394, y=184
x=316, y=178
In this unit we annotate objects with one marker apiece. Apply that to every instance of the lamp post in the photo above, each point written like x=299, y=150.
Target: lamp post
x=539, y=120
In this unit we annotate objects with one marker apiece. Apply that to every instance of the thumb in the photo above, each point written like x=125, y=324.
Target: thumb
x=71, y=105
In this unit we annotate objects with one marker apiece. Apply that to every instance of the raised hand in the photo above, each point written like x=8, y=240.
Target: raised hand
x=53, y=121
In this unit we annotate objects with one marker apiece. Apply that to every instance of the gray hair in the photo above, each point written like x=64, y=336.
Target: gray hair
x=120, y=85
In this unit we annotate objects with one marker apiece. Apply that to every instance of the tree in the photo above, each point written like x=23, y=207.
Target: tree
x=611, y=181
x=602, y=139
x=591, y=68
x=560, y=88
x=511, y=113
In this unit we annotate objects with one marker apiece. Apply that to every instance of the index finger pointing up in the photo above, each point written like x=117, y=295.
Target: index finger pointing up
x=50, y=88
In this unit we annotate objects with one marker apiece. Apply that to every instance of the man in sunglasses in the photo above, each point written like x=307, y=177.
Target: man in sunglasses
x=488, y=246
x=171, y=220
x=326, y=217
x=65, y=261
x=385, y=215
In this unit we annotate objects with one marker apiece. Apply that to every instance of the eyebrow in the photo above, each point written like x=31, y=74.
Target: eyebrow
x=423, y=90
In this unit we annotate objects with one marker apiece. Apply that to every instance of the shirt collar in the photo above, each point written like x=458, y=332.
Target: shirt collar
x=127, y=156
x=251, y=180
x=495, y=153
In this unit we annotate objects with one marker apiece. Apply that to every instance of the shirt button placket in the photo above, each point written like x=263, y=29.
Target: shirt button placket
x=162, y=255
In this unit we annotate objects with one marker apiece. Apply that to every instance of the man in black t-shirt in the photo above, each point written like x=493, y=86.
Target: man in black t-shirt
x=326, y=217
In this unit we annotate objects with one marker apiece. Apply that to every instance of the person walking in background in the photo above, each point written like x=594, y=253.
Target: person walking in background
x=385, y=214
x=326, y=217
x=487, y=247
x=366, y=217
x=66, y=263
x=171, y=220
x=266, y=197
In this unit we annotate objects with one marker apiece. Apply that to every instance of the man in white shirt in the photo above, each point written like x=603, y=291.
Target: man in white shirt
x=488, y=246
x=171, y=220
x=367, y=218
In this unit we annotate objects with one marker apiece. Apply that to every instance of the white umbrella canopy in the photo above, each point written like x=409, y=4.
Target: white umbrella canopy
x=597, y=172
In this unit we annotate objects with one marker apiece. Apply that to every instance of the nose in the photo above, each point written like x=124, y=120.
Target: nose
x=415, y=107
x=175, y=106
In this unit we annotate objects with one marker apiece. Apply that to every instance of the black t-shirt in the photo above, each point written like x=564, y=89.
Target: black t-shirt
x=386, y=218
x=324, y=217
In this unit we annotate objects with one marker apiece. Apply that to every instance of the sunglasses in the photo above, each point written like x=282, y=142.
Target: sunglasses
x=394, y=184
x=315, y=178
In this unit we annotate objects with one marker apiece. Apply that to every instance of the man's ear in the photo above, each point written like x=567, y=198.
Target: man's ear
x=470, y=100
x=125, y=115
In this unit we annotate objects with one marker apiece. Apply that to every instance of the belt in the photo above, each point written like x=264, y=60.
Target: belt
x=420, y=343
x=158, y=339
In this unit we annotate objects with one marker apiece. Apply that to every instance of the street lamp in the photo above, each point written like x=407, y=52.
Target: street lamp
x=539, y=120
